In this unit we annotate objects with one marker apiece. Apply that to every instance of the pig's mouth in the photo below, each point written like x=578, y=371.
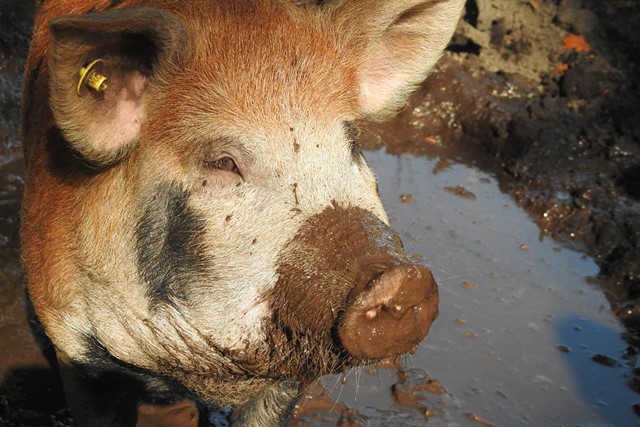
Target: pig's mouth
x=347, y=296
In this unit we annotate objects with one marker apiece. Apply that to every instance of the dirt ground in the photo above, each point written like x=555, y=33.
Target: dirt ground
x=563, y=121
x=545, y=91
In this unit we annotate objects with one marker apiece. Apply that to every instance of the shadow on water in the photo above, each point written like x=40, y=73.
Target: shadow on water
x=599, y=361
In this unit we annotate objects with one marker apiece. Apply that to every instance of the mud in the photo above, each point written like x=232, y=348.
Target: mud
x=516, y=118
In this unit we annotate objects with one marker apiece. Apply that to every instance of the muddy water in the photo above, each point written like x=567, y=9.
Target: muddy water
x=523, y=337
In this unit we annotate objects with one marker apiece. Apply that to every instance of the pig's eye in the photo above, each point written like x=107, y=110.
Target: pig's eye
x=226, y=164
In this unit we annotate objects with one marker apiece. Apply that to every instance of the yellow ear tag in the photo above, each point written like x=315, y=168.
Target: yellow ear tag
x=93, y=79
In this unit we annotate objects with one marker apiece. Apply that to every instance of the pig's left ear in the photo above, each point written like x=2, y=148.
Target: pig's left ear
x=100, y=67
x=406, y=38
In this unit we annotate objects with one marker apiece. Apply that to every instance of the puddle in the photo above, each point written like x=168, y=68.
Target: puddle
x=523, y=338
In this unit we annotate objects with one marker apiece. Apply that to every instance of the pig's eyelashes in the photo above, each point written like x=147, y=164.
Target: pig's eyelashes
x=224, y=164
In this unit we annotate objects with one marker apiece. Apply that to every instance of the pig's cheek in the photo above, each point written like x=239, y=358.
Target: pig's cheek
x=240, y=248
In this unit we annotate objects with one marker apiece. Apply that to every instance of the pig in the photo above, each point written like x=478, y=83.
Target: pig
x=198, y=222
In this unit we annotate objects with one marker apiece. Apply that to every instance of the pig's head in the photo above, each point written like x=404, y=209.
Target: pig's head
x=226, y=230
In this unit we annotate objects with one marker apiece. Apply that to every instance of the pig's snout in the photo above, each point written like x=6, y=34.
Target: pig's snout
x=392, y=314
x=347, y=294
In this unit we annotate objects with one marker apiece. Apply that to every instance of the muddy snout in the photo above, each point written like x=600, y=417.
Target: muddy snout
x=392, y=314
x=349, y=294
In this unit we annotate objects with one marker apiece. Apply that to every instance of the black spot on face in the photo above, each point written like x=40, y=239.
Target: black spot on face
x=167, y=240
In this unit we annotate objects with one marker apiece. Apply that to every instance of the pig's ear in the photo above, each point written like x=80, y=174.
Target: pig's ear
x=406, y=38
x=100, y=68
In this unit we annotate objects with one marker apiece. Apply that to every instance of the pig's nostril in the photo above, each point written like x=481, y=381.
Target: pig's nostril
x=392, y=314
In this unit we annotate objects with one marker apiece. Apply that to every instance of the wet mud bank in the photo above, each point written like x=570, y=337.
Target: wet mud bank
x=541, y=94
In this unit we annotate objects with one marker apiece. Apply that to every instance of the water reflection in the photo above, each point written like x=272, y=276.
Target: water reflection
x=598, y=361
x=509, y=299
